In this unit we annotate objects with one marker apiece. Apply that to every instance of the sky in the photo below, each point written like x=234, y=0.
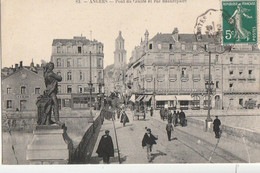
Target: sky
x=29, y=26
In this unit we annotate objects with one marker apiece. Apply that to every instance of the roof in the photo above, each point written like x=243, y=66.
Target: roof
x=188, y=38
x=74, y=41
x=21, y=69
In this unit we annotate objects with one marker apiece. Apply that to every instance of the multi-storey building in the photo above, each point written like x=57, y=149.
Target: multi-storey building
x=21, y=88
x=172, y=69
x=73, y=60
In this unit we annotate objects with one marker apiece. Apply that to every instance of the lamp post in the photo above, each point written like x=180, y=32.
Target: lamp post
x=91, y=119
x=209, y=88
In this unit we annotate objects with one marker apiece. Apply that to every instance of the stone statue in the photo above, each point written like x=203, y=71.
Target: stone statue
x=48, y=102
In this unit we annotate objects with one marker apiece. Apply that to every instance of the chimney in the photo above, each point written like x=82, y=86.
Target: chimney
x=21, y=64
x=16, y=67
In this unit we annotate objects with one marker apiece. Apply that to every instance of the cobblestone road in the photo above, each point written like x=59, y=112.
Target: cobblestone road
x=185, y=148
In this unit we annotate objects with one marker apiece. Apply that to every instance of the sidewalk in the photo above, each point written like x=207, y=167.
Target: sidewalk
x=240, y=149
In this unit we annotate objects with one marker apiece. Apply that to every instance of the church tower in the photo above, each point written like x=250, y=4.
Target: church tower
x=120, y=52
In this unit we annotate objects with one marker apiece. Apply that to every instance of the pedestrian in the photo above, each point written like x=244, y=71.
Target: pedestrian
x=151, y=111
x=169, y=115
x=216, y=129
x=182, y=118
x=178, y=115
x=161, y=113
x=169, y=129
x=175, y=116
x=149, y=140
x=105, y=147
x=124, y=118
x=165, y=114
x=118, y=113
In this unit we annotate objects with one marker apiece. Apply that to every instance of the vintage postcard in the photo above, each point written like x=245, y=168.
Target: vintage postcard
x=131, y=82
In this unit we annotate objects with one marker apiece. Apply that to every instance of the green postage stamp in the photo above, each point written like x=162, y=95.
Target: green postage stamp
x=239, y=21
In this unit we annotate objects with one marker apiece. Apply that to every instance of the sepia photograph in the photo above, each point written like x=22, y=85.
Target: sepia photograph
x=152, y=85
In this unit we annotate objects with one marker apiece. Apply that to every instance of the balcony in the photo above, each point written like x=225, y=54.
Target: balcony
x=184, y=78
x=251, y=78
x=206, y=77
x=160, y=77
x=148, y=77
x=172, y=77
x=196, y=77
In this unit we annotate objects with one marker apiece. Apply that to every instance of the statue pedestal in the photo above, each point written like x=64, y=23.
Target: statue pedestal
x=48, y=146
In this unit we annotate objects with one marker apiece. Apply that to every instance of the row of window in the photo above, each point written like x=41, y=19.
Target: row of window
x=81, y=76
x=79, y=50
x=23, y=90
x=170, y=46
x=250, y=72
x=9, y=105
x=69, y=62
x=81, y=89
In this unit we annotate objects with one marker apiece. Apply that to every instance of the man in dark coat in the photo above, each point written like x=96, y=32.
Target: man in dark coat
x=169, y=129
x=105, y=147
x=169, y=116
x=148, y=141
x=124, y=118
x=216, y=129
x=161, y=113
x=151, y=111
x=182, y=118
x=175, y=118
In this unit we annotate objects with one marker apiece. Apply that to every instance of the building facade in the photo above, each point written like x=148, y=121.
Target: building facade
x=74, y=59
x=21, y=89
x=171, y=69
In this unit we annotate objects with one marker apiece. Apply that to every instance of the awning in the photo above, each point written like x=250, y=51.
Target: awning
x=132, y=98
x=184, y=97
x=165, y=97
x=139, y=98
x=147, y=98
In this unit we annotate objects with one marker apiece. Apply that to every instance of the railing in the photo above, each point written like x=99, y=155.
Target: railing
x=148, y=76
x=172, y=76
x=206, y=77
x=251, y=77
x=196, y=76
x=185, y=76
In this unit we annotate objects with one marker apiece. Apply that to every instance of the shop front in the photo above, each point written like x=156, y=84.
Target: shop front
x=165, y=101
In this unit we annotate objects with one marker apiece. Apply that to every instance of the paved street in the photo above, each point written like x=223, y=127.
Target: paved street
x=189, y=145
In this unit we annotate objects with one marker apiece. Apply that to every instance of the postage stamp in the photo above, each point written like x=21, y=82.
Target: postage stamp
x=239, y=22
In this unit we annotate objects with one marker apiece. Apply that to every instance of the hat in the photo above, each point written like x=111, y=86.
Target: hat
x=107, y=131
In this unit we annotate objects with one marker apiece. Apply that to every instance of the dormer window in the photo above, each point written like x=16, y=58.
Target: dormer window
x=69, y=49
x=59, y=49
x=150, y=46
x=79, y=49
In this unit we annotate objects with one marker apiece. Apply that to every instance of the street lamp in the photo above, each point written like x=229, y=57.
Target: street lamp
x=91, y=119
x=209, y=88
